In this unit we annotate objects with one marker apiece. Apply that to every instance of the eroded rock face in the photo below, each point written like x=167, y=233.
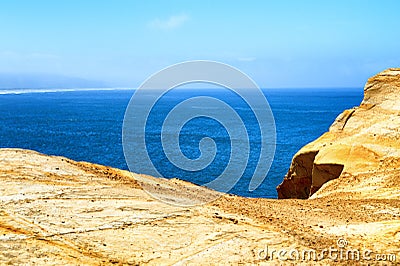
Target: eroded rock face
x=55, y=211
x=299, y=177
x=359, y=153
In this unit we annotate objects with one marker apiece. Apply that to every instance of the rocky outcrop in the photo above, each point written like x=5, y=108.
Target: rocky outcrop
x=359, y=155
x=55, y=211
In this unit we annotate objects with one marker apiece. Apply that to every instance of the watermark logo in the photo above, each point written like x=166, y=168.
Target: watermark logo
x=139, y=131
x=342, y=243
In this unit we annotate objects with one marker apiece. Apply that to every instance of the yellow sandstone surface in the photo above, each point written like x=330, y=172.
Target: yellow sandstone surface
x=55, y=211
x=360, y=155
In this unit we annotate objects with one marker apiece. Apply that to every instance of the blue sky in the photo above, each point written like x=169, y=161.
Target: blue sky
x=277, y=43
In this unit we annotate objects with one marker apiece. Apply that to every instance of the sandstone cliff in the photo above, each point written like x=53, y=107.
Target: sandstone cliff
x=55, y=211
x=360, y=155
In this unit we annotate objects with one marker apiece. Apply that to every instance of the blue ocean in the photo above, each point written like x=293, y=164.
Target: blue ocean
x=86, y=125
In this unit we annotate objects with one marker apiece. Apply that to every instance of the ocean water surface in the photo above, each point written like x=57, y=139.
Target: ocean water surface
x=87, y=126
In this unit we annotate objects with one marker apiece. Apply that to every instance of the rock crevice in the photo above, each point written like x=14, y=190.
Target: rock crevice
x=299, y=178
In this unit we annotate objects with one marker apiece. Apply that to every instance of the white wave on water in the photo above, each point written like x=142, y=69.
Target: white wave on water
x=24, y=91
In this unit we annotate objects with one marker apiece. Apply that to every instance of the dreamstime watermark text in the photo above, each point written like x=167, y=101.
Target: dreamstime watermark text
x=340, y=253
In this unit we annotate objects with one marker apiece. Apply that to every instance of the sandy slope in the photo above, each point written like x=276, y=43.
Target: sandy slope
x=57, y=211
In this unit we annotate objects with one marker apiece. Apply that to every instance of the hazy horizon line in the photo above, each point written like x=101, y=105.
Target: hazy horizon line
x=4, y=91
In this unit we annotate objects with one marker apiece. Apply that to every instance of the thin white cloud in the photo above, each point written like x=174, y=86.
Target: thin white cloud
x=246, y=59
x=27, y=56
x=44, y=56
x=170, y=23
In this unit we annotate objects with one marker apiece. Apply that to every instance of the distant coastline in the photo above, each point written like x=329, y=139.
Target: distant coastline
x=23, y=91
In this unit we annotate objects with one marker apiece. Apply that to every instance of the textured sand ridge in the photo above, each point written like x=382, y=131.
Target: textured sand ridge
x=55, y=211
